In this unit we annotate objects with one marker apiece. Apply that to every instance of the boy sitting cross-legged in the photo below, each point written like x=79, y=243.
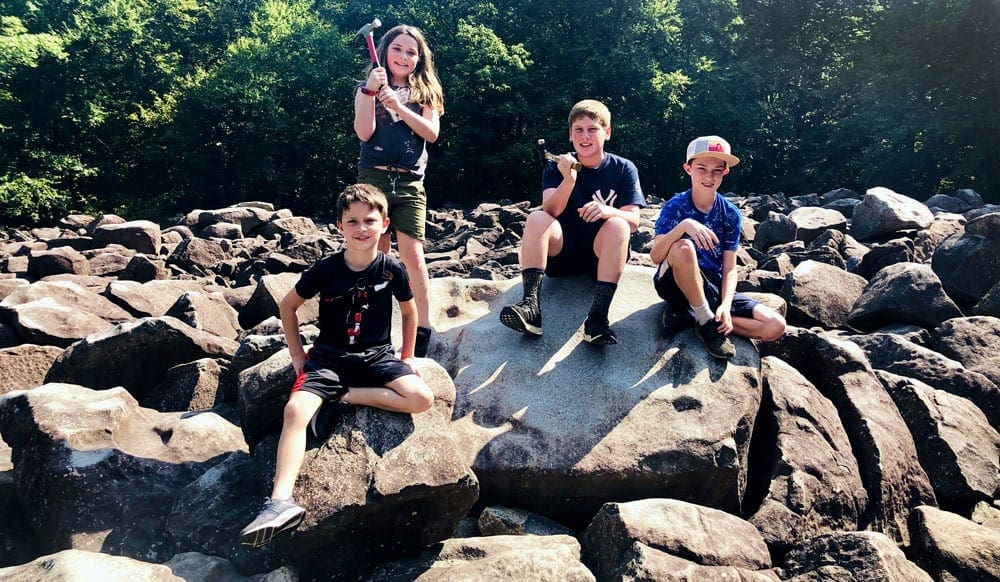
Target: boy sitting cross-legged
x=697, y=236
x=352, y=360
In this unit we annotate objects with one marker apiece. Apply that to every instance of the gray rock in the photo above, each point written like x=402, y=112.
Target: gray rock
x=531, y=450
x=136, y=355
x=926, y=241
x=815, y=484
x=141, y=236
x=79, y=566
x=498, y=520
x=382, y=484
x=46, y=322
x=882, y=255
x=811, y=221
x=972, y=341
x=198, y=256
x=699, y=534
x=956, y=444
x=897, y=355
x=884, y=212
x=969, y=265
x=24, y=366
x=494, y=558
x=104, y=472
x=776, y=229
x=267, y=297
x=226, y=230
x=862, y=555
x=208, y=312
x=70, y=295
x=142, y=269
x=149, y=299
x=883, y=446
x=820, y=294
x=57, y=262
x=196, y=385
x=951, y=547
x=903, y=293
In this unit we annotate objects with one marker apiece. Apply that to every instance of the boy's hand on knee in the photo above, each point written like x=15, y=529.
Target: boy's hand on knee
x=412, y=363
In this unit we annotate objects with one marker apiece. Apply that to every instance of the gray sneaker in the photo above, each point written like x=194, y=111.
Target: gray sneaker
x=716, y=344
x=524, y=317
x=276, y=516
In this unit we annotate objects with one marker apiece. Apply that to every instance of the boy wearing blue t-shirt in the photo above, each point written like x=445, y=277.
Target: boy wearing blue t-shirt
x=590, y=208
x=697, y=236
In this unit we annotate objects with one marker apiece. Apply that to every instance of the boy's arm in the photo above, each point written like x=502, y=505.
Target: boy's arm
x=408, y=311
x=554, y=200
x=700, y=235
x=288, y=308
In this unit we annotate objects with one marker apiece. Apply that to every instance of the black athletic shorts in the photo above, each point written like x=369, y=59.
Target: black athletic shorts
x=329, y=371
x=668, y=290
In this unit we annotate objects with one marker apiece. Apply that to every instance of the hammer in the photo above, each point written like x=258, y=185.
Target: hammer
x=367, y=31
x=544, y=155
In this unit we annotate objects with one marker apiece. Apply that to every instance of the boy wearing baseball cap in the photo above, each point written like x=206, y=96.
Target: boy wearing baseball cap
x=697, y=236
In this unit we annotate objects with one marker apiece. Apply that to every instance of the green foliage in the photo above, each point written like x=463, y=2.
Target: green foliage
x=150, y=107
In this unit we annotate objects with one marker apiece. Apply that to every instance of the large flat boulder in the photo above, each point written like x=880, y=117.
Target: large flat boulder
x=560, y=427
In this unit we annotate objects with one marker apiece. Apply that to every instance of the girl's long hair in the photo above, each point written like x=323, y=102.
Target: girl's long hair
x=425, y=87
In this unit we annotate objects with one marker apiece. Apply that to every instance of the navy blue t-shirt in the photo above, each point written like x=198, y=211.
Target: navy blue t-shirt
x=614, y=182
x=355, y=307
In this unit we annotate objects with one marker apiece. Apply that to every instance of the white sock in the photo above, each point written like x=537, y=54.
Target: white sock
x=702, y=314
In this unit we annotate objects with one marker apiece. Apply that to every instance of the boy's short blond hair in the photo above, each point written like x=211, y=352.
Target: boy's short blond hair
x=590, y=108
x=364, y=193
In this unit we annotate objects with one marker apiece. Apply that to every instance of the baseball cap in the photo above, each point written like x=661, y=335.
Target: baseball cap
x=711, y=146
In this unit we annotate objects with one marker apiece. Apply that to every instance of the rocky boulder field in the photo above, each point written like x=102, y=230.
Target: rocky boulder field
x=143, y=374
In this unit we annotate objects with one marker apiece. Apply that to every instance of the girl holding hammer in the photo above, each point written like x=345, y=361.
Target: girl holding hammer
x=397, y=111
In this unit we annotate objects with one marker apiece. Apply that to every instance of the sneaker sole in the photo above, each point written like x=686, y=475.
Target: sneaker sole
x=513, y=320
x=600, y=340
x=264, y=535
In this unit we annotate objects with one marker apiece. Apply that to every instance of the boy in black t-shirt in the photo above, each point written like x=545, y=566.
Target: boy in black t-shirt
x=590, y=208
x=352, y=361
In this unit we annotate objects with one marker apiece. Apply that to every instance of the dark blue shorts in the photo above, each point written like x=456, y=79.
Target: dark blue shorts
x=668, y=290
x=329, y=372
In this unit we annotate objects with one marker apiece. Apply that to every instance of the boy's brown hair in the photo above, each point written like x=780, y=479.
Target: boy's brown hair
x=364, y=193
x=590, y=108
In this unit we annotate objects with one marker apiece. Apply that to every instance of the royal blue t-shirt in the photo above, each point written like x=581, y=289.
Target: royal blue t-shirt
x=614, y=182
x=724, y=219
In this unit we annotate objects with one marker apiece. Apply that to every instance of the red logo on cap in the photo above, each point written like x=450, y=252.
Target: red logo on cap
x=716, y=147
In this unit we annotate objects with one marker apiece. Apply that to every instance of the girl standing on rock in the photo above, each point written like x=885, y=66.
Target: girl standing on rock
x=396, y=112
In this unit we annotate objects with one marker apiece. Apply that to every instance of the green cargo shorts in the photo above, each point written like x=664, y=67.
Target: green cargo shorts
x=408, y=206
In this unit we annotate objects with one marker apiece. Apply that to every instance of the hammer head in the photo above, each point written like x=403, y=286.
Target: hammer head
x=368, y=28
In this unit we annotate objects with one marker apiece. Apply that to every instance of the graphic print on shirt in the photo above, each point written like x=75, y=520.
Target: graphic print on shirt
x=359, y=300
x=609, y=200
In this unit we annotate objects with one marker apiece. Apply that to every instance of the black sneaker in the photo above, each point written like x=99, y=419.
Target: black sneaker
x=276, y=516
x=524, y=317
x=716, y=344
x=423, y=342
x=598, y=333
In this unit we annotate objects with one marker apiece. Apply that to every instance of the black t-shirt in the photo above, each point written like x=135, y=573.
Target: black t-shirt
x=355, y=307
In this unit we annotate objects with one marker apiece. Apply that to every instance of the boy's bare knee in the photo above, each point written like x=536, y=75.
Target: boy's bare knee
x=296, y=413
x=421, y=400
